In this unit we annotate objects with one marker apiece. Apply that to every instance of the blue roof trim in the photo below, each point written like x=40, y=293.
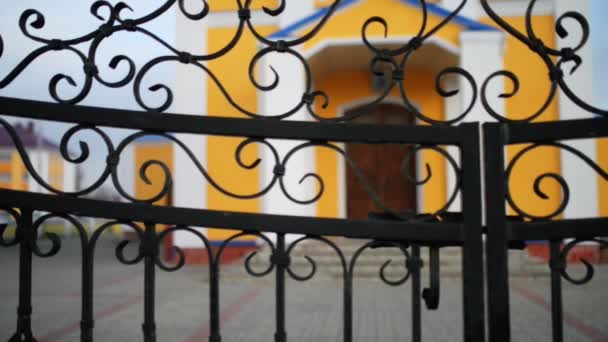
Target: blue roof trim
x=437, y=10
x=289, y=30
x=468, y=23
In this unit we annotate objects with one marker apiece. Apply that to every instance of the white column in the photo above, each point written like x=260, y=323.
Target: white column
x=40, y=159
x=581, y=179
x=453, y=107
x=287, y=94
x=127, y=170
x=482, y=53
x=471, y=10
x=45, y=169
x=189, y=186
x=35, y=158
x=69, y=176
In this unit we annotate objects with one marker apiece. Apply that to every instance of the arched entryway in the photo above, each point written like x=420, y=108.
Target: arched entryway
x=382, y=165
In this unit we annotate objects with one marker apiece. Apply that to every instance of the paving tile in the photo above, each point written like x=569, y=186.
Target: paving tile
x=314, y=309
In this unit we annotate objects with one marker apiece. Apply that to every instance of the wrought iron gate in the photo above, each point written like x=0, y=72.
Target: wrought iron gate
x=408, y=232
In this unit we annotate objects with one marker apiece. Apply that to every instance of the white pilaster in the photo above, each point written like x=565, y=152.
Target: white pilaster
x=36, y=159
x=472, y=9
x=294, y=11
x=581, y=179
x=287, y=94
x=127, y=170
x=482, y=53
x=40, y=159
x=69, y=176
x=189, y=186
x=453, y=107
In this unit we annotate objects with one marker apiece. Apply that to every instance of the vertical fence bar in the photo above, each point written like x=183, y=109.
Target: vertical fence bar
x=415, y=268
x=87, y=319
x=214, y=299
x=472, y=251
x=24, y=311
x=150, y=250
x=556, y=264
x=348, y=305
x=496, y=257
x=281, y=261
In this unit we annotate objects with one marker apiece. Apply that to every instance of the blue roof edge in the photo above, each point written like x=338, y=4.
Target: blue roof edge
x=287, y=31
x=468, y=23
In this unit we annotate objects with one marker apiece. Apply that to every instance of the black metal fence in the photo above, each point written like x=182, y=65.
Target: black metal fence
x=407, y=232
x=408, y=235
x=563, y=234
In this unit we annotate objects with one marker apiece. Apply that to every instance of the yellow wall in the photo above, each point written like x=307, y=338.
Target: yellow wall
x=402, y=19
x=152, y=151
x=56, y=171
x=221, y=161
x=5, y=171
x=420, y=87
x=17, y=172
x=534, y=89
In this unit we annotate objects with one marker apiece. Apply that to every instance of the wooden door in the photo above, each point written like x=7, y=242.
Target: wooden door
x=381, y=164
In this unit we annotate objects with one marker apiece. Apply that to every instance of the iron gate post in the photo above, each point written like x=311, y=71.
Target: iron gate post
x=496, y=250
x=472, y=251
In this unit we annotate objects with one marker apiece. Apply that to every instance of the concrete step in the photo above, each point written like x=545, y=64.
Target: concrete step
x=368, y=264
x=371, y=260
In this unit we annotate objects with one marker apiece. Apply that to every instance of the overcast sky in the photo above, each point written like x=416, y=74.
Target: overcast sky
x=68, y=19
x=599, y=28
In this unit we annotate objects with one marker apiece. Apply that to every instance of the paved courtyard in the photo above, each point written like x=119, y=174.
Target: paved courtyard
x=314, y=308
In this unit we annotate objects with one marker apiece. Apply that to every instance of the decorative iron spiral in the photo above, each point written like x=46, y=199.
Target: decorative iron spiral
x=396, y=60
x=10, y=212
x=554, y=60
x=545, y=176
x=589, y=269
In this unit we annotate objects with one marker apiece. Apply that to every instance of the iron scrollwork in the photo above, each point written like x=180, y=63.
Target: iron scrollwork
x=555, y=61
x=412, y=265
x=114, y=152
x=114, y=20
x=396, y=61
x=560, y=264
x=559, y=179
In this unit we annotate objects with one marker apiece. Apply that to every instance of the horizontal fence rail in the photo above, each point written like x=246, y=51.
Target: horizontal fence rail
x=365, y=229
